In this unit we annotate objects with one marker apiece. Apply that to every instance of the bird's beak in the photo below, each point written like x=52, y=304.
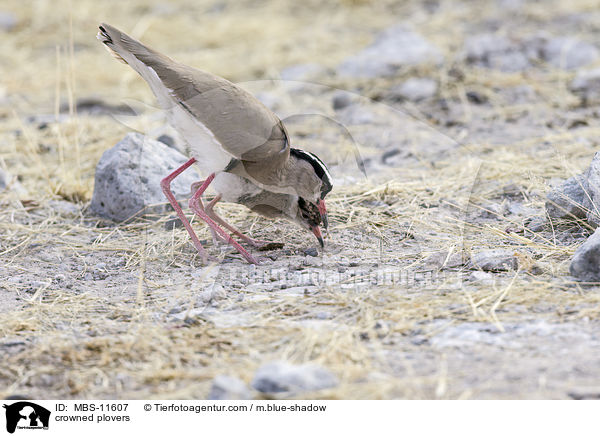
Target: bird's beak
x=317, y=231
x=323, y=212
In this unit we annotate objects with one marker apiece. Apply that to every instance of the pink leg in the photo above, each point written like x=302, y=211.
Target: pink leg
x=194, y=205
x=165, y=184
x=212, y=214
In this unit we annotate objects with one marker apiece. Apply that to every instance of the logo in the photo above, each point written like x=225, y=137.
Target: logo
x=26, y=415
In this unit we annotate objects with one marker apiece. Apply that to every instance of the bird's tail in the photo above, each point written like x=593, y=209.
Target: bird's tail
x=138, y=56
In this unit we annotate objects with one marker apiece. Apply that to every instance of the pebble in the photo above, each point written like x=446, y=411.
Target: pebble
x=494, y=260
x=415, y=89
x=281, y=376
x=225, y=387
x=312, y=251
x=394, y=48
x=585, y=264
x=569, y=200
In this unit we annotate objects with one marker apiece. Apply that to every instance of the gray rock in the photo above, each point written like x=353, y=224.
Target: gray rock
x=341, y=99
x=494, y=260
x=302, y=72
x=225, y=387
x=495, y=51
x=167, y=140
x=415, y=89
x=7, y=21
x=394, y=48
x=585, y=265
x=64, y=208
x=312, y=251
x=568, y=53
x=284, y=377
x=569, y=199
x=128, y=177
x=592, y=176
x=10, y=182
x=586, y=84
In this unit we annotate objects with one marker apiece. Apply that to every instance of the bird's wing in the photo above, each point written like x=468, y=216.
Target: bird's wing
x=243, y=126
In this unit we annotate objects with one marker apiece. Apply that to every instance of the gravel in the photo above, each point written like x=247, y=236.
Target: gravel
x=280, y=376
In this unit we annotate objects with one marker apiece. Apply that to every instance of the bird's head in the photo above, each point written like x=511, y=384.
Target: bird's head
x=314, y=184
x=309, y=217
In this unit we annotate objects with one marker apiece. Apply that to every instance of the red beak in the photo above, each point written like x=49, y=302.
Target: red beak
x=317, y=231
x=323, y=212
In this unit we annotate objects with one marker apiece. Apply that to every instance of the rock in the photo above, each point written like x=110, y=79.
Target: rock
x=585, y=265
x=284, y=377
x=569, y=199
x=341, y=99
x=568, y=53
x=312, y=251
x=173, y=223
x=167, y=140
x=302, y=72
x=225, y=387
x=128, y=178
x=592, y=194
x=536, y=224
x=495, y=51
x=481, y=276
x=393, y=48
x=64, y=208
x=10, y=182
x=494, y=260
x=95, y=106
x=415, y=89
x=586, y=84
x=8, y=21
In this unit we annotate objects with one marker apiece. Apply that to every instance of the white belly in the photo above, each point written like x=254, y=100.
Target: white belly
x=232, y=187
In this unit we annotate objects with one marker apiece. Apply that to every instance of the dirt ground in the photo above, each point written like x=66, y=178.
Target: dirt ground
x=392, y=306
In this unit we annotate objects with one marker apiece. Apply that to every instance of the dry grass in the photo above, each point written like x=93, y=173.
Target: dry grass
x=143, y=333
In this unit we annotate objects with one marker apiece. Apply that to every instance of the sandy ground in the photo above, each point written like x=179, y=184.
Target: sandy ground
x=393, y=307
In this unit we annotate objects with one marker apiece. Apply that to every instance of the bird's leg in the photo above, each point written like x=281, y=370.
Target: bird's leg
x=211, y=213
x=165, y=184
x=198, y=203
x=202, y=214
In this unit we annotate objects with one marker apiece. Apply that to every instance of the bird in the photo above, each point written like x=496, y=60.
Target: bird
x=231, y=136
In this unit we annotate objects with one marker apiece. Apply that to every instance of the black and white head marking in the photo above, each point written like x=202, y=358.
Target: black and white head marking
x=319, y=167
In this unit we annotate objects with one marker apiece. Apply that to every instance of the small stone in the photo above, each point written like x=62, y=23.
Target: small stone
x=8, y=181
x=586, y=84
x=585, y=265
x=225, y=387
x=341, y=99
x=312, y=251
x=64, y=208
x=569, y=53
x=415, y=89
x=393, y=48
x=173, y=223
x=536, y=224
x=279, y=376
x=494, y=260
x=8, y=21
x=167, y=140
x=481, y=276
x=592, y=191
x=495, y=51
x=302, y=72
x=569, y=200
